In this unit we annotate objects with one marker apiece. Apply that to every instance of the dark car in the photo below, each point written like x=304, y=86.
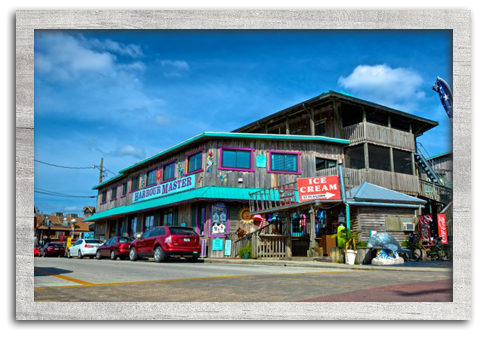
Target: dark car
x=164, y=242
x=117, y=246
x=52, y=249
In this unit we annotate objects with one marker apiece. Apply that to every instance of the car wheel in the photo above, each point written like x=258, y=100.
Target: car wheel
x=98, y=256
x=113, y=256
x=80, y=256
x=132, y=254
x=158, y=254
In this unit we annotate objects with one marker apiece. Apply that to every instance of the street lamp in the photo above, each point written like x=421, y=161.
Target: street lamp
x=73, y=221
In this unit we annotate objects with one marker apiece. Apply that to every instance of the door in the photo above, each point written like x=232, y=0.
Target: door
x=140, y=244
x=150, y=241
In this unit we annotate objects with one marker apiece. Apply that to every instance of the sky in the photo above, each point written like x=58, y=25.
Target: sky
x=126, y=95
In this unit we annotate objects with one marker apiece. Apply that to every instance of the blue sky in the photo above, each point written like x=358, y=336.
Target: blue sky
x=126, y=95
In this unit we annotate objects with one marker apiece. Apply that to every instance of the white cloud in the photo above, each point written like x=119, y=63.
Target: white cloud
x=396, y=87
x=131, y=50
x=174, y=68
x=129, y=150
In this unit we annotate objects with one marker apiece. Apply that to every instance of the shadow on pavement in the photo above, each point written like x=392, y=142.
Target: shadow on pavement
x=47, y=271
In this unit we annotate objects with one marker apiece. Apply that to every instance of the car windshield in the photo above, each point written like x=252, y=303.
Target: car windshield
x=182, y=231
x=55, y=245
x=93, y=241
x=125, y=239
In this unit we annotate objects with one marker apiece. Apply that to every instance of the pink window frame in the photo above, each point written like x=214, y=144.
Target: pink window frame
x=146, y=176
x=174, y=169
x=101, y=197
x=131, y=182
x=111, y=196
x=252, y=163
x=269, y=161
x=227, y=229
x=186, y=162
x=121, y=186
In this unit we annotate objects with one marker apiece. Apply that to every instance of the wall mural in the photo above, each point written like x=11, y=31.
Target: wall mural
x=159, y=175
x=180, y=170
x=222, y=177
x=210, y=162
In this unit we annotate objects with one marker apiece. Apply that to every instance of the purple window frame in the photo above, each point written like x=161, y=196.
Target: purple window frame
x=186, y=162
x=269, y=161
x=207, y=218
x=133, y=176
x=146, y=176
x=122, y=195
x=252, y=163
x=116, y=194
x=101, y=197
x=163, y=171
x=227, y=229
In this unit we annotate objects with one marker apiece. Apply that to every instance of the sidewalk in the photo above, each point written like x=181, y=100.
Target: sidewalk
x=420, y=266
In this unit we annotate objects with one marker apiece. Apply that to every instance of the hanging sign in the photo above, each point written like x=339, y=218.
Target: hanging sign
x=217, y=244
x=424, y=222
x=228, y=247
x=442, y=228
x=261, y=161
x=318, y=188
x=164, y=189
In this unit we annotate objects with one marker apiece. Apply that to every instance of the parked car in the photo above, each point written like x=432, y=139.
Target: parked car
x=83, y=248
x=117, y=246
x=52, y=249
x=164, y=242
x=36, y=250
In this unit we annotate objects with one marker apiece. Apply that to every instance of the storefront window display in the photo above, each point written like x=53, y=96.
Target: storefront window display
x=132, y=226
x=219, y=226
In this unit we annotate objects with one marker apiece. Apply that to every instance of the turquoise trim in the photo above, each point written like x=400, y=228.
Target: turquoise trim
x=440, y=155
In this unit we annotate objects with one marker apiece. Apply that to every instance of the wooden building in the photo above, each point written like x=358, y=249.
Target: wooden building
x=211, y=174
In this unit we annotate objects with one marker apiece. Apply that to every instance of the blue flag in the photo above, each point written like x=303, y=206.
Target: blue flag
x=445, y=94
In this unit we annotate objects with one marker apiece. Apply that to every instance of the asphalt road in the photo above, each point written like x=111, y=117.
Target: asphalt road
x=61, y=279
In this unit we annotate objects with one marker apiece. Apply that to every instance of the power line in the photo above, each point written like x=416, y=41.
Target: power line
x=65, y=167
x=59, y=194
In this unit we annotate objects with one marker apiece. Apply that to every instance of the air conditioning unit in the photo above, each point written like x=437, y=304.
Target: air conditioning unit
x=408, y=226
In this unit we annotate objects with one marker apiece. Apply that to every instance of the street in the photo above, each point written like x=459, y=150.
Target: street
x=89, y=280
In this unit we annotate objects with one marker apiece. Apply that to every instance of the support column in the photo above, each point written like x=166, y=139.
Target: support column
x=289, y=236
x=365, y=151
x=312, y=230
x=392, y=165
x=348, y=215
x=287, y=126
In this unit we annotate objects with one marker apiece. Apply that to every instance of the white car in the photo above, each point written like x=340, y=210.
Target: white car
x=83, y=248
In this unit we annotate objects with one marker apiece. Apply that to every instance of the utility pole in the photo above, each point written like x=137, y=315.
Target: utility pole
x=101, y=171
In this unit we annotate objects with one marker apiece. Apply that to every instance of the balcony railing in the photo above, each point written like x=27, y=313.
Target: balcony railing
x=378, y=134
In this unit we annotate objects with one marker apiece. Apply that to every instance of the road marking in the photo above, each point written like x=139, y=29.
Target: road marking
x=89, y=284
x=80, y=282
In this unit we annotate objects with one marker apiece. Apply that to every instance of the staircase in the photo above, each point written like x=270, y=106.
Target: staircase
x=421, y=156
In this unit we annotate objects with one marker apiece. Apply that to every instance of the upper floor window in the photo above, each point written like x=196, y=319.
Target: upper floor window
x=297, y=132
x=114, y=193
x=151, y=177
x=194, y=162
x=169, y=171
x=236, y=159
x=284, y=162
x=320, y=128
x=104, y=197
x=124, y=188
x=322, y=163
x=135, y=183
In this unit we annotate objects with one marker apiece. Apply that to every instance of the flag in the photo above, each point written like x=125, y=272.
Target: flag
x=445, y=94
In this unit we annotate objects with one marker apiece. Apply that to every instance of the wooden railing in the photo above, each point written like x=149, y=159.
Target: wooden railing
x=379, y=134
x=436, y=192
x=269, y=246
x=271, y=198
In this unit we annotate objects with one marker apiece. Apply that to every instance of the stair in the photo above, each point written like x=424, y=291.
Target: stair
x=427, y=167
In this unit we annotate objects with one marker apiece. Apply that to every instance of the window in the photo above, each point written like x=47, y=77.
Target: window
x=135, y=183
x=322, y=163
x=201, y=218
x=149, y=221
x=194, y=162
x=354, y=157
x=168, y=217
x=169, y=171
x=379, y=157
x=320, y=128
x=114, y=193
x=236, y=159
x=104, y=197
x=397, y=223
x=151, y=177
x=284, y=162
x=124, y=189
x=402, y=162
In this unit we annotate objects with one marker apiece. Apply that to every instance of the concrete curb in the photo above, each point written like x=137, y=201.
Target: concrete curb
x=318, y=264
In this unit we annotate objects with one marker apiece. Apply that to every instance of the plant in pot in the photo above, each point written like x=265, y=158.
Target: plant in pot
x=350, y=247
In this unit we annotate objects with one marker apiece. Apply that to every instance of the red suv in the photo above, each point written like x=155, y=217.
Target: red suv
x=164, y=242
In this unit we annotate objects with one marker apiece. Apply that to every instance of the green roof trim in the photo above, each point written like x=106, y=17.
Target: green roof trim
x=205, y=135
x=205, y=193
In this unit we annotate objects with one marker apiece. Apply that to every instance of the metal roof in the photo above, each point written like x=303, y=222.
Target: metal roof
x=368, y=192
x=205, y=193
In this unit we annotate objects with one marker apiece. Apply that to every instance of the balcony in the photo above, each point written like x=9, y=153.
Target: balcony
x=381, y=135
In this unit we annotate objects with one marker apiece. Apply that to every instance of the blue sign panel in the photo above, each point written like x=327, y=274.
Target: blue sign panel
x=261, y=161
x=217, y=244
x=228, y=247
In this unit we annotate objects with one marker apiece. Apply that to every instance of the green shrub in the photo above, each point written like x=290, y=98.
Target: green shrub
x=362, y=244
x=245, y=251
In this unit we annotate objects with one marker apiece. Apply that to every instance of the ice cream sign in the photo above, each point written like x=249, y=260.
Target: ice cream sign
x=318, y=188
x=172, y=187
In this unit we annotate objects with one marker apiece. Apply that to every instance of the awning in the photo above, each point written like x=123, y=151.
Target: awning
x=205, y=193
x=368, y=194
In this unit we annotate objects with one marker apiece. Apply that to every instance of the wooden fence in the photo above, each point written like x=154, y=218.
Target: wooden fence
x=270, y=246
x=379, y=134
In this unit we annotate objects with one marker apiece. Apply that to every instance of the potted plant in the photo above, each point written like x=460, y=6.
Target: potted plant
x=350, y=247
